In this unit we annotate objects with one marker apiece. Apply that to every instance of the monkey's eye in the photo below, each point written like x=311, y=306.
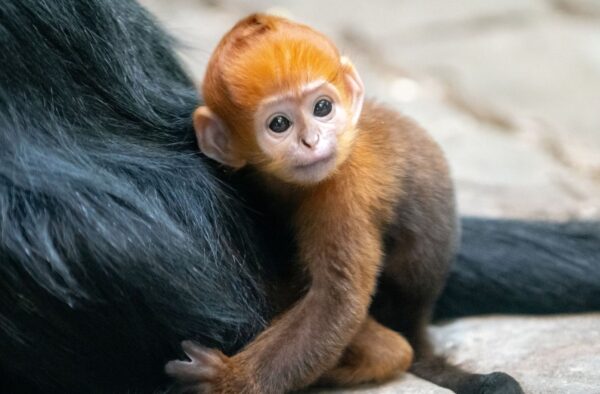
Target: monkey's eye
x=279, y=124
x=322, y=107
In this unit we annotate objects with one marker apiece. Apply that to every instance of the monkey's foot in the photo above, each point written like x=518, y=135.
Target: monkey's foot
x=376, y=354
x=492, y=383
x=208, y=371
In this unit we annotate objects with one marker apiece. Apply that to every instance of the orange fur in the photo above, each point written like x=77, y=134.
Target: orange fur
x=376, y=354
x=260, y=56
x=340, y=222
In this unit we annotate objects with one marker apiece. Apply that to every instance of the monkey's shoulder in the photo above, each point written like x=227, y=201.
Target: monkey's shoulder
x=390, y=130
x=398, y=156
x=397, y=139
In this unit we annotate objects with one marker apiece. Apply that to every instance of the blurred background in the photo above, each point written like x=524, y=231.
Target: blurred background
x=511, y=90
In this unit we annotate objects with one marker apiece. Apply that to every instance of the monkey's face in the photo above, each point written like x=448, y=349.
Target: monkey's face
x=304, y=134
x=298, y=132
x=299, y=135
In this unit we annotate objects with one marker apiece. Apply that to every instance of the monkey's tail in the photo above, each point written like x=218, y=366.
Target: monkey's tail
x=512, y=266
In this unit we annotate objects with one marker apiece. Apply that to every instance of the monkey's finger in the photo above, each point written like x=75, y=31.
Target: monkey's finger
x=189, y=371
x=201, y=353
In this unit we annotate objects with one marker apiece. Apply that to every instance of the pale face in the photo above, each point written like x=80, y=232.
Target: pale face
x=298, y=132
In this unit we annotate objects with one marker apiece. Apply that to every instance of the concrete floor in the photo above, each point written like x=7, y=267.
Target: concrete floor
x=511, y=90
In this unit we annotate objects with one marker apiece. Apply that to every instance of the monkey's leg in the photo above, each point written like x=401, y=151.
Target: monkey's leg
x=406, y=307
x=376, y=354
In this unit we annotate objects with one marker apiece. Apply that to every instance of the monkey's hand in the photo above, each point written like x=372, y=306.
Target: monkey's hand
x=209, y=371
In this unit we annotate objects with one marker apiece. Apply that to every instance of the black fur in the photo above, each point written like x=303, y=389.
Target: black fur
x=510, y=266
x=117, y=239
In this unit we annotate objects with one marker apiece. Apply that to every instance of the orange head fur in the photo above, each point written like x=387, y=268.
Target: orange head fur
x=260, y=56
x=260, y=59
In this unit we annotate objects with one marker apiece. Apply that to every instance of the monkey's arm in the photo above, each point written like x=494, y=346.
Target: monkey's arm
x=340, y=246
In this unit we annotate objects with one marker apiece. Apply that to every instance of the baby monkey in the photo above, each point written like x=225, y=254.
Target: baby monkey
x=368, y=195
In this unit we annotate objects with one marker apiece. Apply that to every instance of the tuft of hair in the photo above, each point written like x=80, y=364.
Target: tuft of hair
x=263, y=55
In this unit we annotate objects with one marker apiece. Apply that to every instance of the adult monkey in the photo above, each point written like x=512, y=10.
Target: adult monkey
x=116, y=240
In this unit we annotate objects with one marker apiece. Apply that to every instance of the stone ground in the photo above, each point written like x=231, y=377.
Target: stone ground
x=511, y=90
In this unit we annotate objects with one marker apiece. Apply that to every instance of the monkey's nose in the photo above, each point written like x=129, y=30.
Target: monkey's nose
x=310, y=141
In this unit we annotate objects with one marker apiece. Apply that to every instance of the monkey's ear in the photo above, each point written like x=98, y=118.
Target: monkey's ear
x=356, y=88
x=214, y=138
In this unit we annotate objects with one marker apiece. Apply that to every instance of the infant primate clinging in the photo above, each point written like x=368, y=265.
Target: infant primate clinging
x=368, y=194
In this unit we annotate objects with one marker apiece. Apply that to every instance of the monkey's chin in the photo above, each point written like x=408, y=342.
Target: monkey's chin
x=312, y=173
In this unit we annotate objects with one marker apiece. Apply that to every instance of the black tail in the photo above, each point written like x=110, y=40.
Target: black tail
x=511, y=266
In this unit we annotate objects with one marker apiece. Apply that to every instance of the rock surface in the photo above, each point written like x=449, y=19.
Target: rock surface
x=557, y=355
x=511, y=90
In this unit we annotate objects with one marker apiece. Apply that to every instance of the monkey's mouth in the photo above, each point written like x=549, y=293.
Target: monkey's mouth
x=315, y=163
